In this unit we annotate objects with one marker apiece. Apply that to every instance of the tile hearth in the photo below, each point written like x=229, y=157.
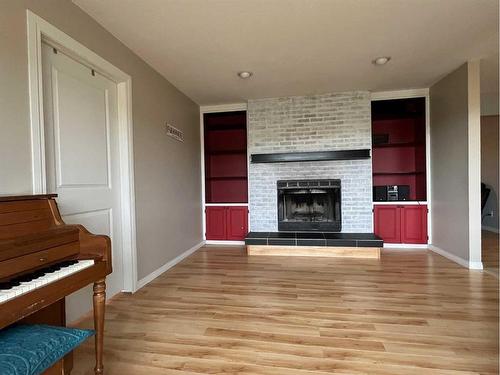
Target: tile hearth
x=314, y=239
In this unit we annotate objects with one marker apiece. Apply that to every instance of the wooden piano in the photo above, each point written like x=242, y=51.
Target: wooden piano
x=42, y=260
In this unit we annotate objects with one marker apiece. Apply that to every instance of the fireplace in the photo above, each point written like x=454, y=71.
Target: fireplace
x=309, y=205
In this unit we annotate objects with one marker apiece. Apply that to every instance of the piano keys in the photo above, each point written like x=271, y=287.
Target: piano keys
x=42, y=260
x=44, y=276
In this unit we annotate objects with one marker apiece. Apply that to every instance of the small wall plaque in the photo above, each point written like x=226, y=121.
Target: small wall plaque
x=175, y=133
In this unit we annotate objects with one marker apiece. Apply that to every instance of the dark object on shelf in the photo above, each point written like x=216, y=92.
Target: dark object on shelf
x=398, y=192
x=380, y=193
x=383, y=193
x=380, y=139
x=485, y=193
x=403, y=192
x=311, y=156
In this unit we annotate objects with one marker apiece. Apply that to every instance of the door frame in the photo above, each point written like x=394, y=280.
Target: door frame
x=39, y=30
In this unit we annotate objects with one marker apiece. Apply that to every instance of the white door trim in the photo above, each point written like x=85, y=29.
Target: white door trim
x=417, y=93
x=38, y=29
x=214, y=109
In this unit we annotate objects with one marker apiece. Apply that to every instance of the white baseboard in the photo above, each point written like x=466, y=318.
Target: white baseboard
x=405, y=246
x=490, y=229
x=153, y=275
x=224, y=243
x=457, y=259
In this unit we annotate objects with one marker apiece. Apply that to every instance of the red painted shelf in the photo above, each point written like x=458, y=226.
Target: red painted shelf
x=227, y=152
x=399, y=145
x=395, y=173
x=227, y=178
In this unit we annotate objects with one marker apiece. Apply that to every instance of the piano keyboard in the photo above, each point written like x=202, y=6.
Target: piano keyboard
x=40, y=278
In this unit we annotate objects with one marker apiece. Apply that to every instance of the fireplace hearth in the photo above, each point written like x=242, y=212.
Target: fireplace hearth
x=309, y=205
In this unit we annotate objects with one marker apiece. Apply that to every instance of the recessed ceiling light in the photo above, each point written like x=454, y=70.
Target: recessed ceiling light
x=245, y=74
x=382, y=60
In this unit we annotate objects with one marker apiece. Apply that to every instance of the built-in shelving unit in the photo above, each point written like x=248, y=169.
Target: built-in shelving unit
x=225, y=157
x=398, y=150
x=226, y=178
x=399, y=158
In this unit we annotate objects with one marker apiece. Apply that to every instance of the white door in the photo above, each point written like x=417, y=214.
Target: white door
x=82, y=155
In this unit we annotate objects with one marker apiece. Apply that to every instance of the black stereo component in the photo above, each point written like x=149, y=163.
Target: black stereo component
x=380, y=193
x=403, y=192
x=398, y=192
x=385, y=193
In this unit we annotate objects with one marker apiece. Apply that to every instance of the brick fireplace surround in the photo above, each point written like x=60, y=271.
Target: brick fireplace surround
x=324, y=122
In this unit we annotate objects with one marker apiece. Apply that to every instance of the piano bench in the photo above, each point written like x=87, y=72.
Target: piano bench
x=32, y=349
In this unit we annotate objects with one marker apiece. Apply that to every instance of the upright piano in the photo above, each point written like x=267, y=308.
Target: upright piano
x=42, y=260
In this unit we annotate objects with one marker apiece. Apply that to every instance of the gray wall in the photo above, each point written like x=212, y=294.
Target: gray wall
x=167, y=173
x=490, y=167
x=311, y=123
x=449, y=163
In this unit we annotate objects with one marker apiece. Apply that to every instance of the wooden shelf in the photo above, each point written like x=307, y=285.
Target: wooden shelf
x=396, y=173
x=227, y=152
x=225, y=178
x=217, y=127
x=398, y=145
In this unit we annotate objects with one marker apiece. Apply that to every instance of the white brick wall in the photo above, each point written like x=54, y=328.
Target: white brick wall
x=311, y=123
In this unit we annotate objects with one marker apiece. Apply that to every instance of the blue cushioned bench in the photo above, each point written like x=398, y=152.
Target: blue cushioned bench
x=32, y=349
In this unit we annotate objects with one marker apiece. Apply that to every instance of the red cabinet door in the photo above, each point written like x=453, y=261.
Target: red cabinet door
x=387, y=223
x=236, y=223
x=414, y=224
x=216, y=223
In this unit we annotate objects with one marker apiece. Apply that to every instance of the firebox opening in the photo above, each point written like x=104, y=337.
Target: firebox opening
x=309, y=205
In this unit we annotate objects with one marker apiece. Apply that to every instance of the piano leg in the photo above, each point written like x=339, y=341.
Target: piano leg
x=99, y=305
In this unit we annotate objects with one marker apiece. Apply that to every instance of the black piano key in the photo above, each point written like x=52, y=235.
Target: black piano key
x=38, y=274
x=6, y=286
x=24, y=278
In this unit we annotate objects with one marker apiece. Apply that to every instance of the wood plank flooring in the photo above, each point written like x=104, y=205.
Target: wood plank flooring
x=490, y=251
x=222, y=312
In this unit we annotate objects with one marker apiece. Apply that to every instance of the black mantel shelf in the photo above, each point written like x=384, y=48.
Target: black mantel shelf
x=311, y=156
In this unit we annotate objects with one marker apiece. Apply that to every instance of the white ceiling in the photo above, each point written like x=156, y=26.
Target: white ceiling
x=298, y=47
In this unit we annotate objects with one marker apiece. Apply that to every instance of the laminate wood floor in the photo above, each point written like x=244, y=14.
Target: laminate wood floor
x=221, y=312
x=490, y=251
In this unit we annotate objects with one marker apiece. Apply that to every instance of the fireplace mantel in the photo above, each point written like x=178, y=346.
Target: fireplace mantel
x=286, y=157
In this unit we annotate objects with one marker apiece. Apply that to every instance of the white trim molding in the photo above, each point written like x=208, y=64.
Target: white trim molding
x=226, y=204
x=223, y=108
x=224, y=243
x=153, y=275
x=464, y=263
x=399, y=94
x=405, y=246
x=474, y=159
x=40, y=30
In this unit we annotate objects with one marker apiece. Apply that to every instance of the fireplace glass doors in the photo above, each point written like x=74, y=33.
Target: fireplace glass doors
x=309, y=205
